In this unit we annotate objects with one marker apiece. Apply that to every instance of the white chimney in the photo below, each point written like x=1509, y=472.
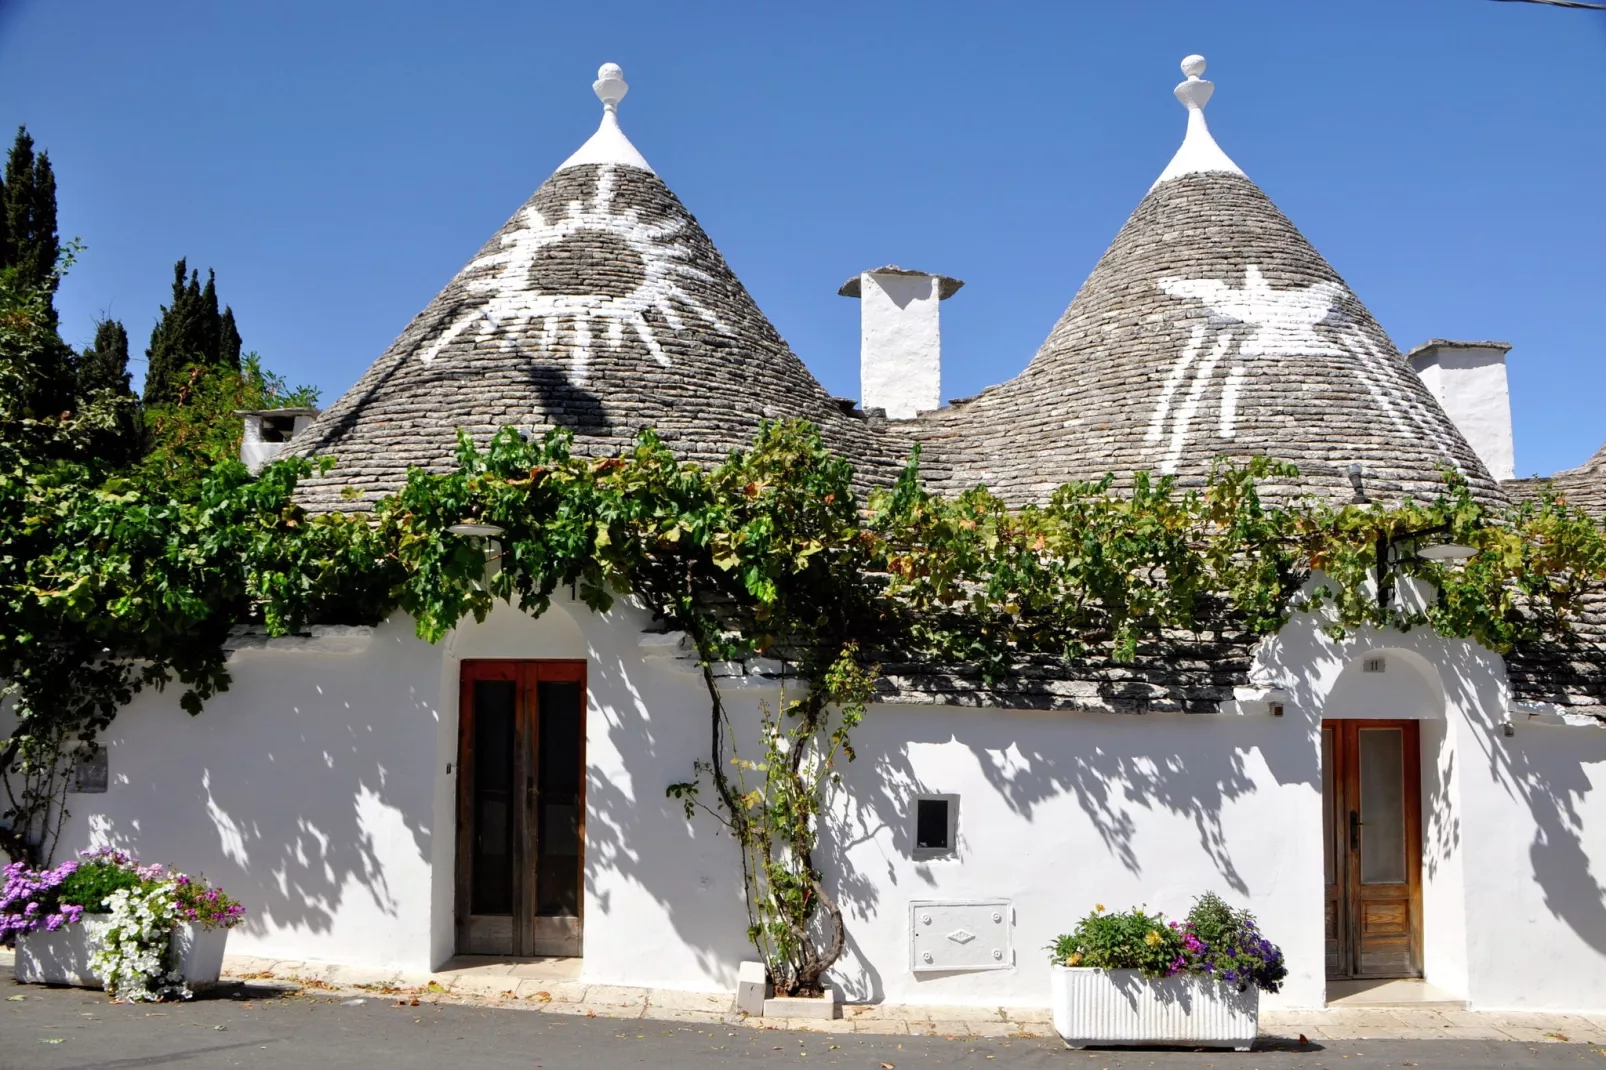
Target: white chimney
x=1469, y=379
x=268, y=432
x=900, y=339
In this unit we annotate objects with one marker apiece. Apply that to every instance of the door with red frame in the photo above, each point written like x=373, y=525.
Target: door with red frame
x=521, y=808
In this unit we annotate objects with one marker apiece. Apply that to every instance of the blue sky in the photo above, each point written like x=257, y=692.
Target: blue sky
x=338, y=162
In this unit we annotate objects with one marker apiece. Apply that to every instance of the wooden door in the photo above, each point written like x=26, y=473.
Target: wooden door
x=1372, y=857
x=520, y=807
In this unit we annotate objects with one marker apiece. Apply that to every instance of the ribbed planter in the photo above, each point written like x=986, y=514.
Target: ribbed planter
x=199, y=954
x=1121, y=1008
x=62, y=957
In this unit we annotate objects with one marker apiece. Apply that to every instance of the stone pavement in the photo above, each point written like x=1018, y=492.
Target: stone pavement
x=553, y=987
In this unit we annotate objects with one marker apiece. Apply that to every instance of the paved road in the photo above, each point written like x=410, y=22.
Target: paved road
x=57, y=1029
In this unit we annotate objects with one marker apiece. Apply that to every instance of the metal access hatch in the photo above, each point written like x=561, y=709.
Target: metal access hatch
x=971, y=934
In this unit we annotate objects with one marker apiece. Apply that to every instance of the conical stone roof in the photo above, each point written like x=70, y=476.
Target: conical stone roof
x=1209, y=327
x=601, y=306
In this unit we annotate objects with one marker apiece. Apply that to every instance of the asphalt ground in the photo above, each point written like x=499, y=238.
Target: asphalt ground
x=261, y=1027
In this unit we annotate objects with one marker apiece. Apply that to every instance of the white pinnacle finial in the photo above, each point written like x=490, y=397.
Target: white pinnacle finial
x=609, y=144
x=1195, y=92
x=1199, y=151
x=610, y=85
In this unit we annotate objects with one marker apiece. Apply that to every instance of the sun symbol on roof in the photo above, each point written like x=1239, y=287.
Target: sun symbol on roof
x=593, y=275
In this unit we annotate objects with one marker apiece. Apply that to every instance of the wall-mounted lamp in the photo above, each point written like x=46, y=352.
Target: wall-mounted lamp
x=474, y=529
x=1447, y=551
x=1508, y=729
x=1390, y=552
x=1354, y=473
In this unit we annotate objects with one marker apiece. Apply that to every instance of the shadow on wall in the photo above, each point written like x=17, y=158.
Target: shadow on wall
x=307, y=783
x=1542, y=768
x=1117, y=777
x=658, y=723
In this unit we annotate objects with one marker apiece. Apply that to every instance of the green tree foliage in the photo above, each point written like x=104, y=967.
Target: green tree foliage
x=28, y=239
x=104, y=365
x=197, y=429
x=103, y=382
x=35, y=415
x=29, y=250
x=191, y=331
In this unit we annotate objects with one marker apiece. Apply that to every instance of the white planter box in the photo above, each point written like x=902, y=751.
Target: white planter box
x=62, y=957
x=1124, y=1008
x=199, y=954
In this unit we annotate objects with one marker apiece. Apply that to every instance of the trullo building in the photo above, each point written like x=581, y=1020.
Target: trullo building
x=326, y=789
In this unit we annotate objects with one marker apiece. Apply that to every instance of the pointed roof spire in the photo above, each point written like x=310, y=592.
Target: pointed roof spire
x=609, y=144
x=1199, y=151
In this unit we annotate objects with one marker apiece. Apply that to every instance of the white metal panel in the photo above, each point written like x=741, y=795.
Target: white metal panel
x=973, y=934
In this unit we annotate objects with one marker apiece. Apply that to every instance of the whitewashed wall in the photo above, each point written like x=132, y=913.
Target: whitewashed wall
x=1060, y=812
x=306, y=790
x=1514, y=832
x=316, y=789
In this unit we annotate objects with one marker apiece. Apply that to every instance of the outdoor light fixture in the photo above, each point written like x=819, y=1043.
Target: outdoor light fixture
x=1508, y=729
x=1354, y=473
x=1447, y=551
x=1389, y=555
x=474, y=529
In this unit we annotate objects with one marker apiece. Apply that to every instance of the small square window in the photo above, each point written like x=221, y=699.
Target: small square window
x=936, y=826
x=90, y=771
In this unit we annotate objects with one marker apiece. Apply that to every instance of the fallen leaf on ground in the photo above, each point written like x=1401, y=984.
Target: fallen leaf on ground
x=50, y=1040
x=15, y=999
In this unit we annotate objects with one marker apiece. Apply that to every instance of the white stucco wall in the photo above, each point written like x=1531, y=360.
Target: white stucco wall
x=1514, y=834
x=900, y=354
x=316, y=789
x=306, y=790
x=1060, y=812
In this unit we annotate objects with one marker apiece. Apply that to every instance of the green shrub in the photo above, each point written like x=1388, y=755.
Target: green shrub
x=1130, y=940
x=92, y=883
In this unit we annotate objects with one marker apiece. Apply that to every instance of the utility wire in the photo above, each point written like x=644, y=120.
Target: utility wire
x=1558, y=3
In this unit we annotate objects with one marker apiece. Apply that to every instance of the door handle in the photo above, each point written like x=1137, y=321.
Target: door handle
x=1354, y=830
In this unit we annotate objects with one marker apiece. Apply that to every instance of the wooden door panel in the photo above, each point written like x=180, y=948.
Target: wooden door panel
x=521, y=804
x=1385, y=939
x=1372, y=854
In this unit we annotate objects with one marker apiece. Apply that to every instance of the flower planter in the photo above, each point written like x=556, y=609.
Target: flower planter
x=62, y=957
x=1124, y=1008
x=198, y=952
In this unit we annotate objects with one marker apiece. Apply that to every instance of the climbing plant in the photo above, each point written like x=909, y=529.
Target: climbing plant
x=110, y=584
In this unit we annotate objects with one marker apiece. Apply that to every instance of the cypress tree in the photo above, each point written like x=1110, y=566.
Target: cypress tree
x=28, y=201
x=105, y=400
x=103, y=367
x=191, y=331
